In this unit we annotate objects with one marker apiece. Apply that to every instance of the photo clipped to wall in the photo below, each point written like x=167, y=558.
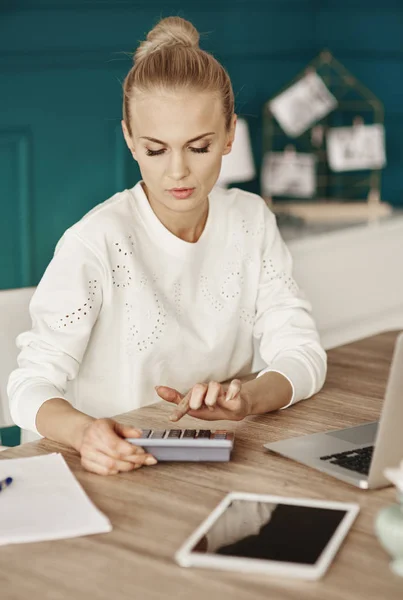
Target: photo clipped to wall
x=302, y=104
x=356, y=148
x=289, y=174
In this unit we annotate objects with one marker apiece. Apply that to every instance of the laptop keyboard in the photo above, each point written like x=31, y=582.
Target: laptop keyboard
x=356, y=460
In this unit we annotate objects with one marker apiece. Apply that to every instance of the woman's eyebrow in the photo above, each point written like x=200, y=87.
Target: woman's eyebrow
x=199, y=137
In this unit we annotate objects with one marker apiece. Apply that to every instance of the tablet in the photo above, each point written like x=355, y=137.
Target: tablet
x=290, y=537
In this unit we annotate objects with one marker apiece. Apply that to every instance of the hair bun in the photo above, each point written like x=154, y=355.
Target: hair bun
x=172, y=31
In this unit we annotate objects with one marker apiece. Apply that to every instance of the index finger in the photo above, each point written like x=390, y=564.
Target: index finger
x=233, y=389
x=182, y=408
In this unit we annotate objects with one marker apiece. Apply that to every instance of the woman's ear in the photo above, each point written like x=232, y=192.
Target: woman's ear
x=230, y=136
x=128, y=139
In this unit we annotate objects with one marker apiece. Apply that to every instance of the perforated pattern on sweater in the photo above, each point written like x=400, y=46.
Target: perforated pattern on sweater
x=177, y=288
x=273, y=274
x=121, y=272
x=80, y=312
x=233, y=279
x=145, y=329
x=247, y=316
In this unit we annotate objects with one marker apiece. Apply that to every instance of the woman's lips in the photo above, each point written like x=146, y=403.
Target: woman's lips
x=181, y=193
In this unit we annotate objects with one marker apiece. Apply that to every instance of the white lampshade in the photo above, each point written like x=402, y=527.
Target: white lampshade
x=238, y=165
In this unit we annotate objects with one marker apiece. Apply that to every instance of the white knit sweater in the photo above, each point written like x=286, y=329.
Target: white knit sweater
x=125, y=305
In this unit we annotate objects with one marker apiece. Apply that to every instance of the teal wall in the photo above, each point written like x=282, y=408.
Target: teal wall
x=61, y=66
x=10, y=436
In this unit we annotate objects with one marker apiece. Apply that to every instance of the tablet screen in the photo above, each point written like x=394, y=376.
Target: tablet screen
x=278, y=532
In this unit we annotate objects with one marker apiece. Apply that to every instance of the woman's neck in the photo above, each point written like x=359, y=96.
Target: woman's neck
x=187, y=227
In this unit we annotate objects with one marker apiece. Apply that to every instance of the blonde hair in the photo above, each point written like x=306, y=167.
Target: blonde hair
x=170, y=58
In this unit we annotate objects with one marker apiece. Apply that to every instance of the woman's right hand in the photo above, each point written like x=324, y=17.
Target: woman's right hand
x=104, y=450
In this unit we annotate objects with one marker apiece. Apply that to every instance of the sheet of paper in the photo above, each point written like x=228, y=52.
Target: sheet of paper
x=45, y=502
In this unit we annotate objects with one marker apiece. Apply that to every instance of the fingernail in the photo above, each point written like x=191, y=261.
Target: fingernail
x=173, y=418
x=137, y=431
x=150, y=460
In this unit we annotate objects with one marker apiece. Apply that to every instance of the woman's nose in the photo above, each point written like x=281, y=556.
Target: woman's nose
x=177, y=168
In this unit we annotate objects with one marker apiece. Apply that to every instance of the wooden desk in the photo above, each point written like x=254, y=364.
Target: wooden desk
x=153, y=510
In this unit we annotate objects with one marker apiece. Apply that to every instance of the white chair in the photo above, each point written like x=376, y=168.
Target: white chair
x=14, y=319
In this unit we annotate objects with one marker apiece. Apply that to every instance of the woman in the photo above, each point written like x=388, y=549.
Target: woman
x=159, y=291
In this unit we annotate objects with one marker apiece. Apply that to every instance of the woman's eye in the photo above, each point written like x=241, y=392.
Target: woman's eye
x=195, y=150
x=201, y=150
x=154, y=152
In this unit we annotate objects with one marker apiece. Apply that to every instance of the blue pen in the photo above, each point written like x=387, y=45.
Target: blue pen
x=5, y=483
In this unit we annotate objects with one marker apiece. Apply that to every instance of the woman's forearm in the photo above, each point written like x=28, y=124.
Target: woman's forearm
x=57, y=420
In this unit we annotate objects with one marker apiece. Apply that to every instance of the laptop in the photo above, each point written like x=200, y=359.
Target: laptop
x=357, y=455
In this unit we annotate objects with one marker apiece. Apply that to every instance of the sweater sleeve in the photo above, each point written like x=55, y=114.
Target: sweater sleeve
x=63, y=310
x=289, y=341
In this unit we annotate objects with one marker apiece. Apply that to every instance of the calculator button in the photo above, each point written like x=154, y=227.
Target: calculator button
x=157, y=434
x=219, y=436
x=174, y=433
x=145, y=433
x=189, y=433
x=204, y=433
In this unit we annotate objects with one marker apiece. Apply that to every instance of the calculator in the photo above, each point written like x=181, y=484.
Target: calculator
x=186, y=444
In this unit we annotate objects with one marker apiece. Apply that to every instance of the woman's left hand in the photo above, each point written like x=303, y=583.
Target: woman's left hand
x=212, y=402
